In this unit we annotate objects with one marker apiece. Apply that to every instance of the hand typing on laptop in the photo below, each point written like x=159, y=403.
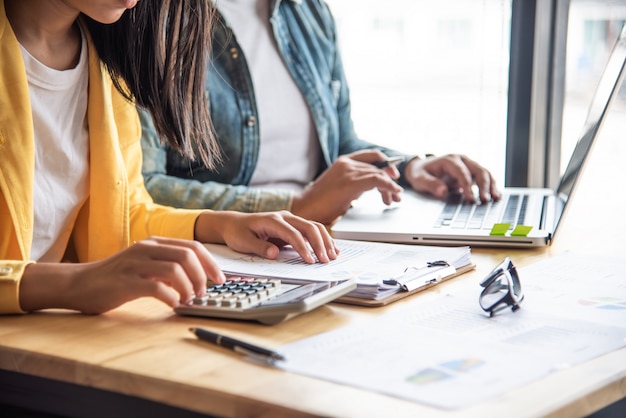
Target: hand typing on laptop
x=451, y=174
x=332, y=193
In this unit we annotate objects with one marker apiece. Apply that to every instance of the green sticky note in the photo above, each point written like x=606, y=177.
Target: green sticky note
x=499, y=229
x=521, y=230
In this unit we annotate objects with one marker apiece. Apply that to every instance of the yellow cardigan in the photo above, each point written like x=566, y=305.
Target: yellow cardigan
x=119, y=209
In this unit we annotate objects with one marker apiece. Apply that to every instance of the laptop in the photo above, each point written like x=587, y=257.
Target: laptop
x=524, y=217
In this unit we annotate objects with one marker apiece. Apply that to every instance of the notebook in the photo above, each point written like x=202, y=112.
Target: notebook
x=524, y=217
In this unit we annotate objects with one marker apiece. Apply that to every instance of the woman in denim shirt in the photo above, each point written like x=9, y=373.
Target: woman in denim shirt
x=247, y=94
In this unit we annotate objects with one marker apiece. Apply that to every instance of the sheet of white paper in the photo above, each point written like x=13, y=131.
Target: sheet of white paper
x=366, y=261
x=592, y=289
x=448, y=353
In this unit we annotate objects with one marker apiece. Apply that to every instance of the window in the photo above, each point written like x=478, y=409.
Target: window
x=593, y=28
x=429, y=76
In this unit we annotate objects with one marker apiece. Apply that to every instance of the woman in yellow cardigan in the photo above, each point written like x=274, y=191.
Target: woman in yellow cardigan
x=72, y=199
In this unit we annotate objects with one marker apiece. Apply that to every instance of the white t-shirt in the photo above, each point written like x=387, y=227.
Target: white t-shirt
x=289, y=150
x=61, y=184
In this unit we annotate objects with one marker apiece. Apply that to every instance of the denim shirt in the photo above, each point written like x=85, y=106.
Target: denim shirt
x=306, y=36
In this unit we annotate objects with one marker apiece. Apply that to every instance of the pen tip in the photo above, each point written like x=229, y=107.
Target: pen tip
x=192, y=329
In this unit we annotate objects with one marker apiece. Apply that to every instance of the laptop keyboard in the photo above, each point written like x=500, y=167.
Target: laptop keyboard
x=460, y=214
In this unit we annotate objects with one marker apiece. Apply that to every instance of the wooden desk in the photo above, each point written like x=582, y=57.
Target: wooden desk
x=143, y=350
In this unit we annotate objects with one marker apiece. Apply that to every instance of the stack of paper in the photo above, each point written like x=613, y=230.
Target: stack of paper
x=412, y=279
x=372, y=264
x=425, y=266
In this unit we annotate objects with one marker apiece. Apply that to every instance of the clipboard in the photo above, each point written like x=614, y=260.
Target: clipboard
x=369, y=263
x=409, y=285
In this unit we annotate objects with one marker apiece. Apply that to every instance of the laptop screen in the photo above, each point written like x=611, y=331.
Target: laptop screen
x=606, y=91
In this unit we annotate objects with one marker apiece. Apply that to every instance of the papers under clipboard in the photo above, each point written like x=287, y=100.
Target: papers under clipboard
x=384, y=272
x=411, y=281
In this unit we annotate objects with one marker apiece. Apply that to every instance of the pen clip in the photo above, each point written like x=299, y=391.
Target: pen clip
x=415, y=277
x=270, y=358
x=388, y=162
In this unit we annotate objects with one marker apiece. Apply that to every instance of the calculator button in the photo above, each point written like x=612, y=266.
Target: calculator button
x=229, y=302
x=238, y=292
x=243, y=303
x=200, y=300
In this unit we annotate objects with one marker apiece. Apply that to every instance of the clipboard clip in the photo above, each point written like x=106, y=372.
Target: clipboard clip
x=415, y=277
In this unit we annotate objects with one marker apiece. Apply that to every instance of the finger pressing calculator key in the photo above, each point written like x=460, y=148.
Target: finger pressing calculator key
x=268, y=300
x=239, y=292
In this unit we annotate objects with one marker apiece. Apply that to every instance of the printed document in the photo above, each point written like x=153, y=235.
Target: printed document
x=449, y=353
x=368, y=262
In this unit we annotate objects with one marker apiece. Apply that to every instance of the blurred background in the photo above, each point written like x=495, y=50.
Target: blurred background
x=432, y=76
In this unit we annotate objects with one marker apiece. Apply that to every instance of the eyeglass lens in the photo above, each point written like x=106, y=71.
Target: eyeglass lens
x=502, y=291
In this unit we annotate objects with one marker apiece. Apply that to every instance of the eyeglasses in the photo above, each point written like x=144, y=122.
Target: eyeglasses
x=502, y=289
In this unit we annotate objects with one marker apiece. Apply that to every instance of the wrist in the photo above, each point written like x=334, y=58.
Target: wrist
x=296, y=206
x=48, y=285
x=211, y=226
x=419, y=157
x=406, y=180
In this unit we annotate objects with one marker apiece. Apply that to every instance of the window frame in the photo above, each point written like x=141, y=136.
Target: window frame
x=536, y=92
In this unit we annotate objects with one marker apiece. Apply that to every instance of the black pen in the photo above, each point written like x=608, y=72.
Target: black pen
x=388, y=162
x=237, y=345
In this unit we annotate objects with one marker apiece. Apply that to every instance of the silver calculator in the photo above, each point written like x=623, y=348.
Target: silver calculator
x=268, y=300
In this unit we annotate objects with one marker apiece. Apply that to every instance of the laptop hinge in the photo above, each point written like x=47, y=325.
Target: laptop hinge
x=544, y=212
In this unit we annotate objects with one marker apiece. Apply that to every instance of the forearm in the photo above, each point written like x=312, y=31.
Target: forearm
x=47, y=285
x=193, y=194
x=211, y=226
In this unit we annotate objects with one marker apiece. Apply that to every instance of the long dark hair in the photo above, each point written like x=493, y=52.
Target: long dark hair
x=157, y=55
